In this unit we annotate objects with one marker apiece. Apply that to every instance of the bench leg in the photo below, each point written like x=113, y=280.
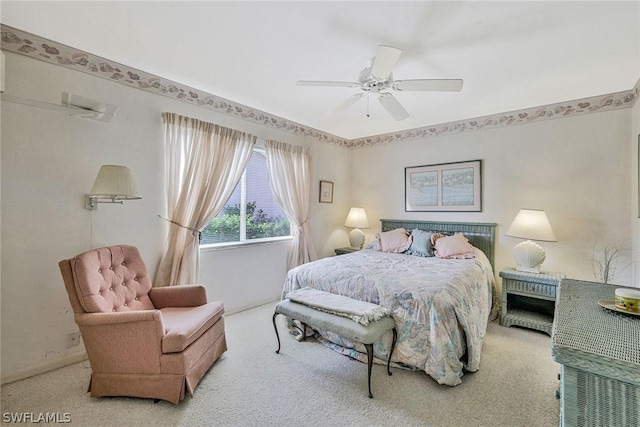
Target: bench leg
x=369, y=348
x=393, y=345
x=276, y=328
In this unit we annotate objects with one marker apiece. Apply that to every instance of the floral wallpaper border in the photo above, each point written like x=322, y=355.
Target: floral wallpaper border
x=23, y=43
x=594, y=104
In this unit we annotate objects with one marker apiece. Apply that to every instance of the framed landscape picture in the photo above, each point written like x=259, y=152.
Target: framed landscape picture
x=446, y=187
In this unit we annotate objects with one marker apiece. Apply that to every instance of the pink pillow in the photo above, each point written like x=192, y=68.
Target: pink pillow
x=454, y=247
x=394, y=241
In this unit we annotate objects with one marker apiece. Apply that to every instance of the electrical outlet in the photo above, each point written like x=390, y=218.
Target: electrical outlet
x=73, y=339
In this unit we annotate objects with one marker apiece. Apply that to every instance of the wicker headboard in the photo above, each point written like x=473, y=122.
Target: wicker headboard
x=480, y=235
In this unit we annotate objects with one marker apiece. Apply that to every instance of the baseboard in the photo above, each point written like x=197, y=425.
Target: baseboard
x=60, y=363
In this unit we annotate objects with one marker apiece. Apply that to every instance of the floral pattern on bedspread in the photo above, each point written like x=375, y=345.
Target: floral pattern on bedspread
x=441, y=307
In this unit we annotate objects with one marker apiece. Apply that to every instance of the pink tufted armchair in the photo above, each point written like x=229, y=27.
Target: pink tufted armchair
x=141, y=341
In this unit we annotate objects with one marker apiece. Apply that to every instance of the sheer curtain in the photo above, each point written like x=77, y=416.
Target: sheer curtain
x=290, y=176
x=203, y=164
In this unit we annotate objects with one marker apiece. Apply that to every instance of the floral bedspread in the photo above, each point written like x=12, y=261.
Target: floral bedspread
x=441, y=307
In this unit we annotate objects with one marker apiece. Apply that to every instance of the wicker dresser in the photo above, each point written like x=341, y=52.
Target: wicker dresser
x=599, y=351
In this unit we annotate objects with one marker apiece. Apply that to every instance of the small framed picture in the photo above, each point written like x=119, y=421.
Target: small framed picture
x=326, y=192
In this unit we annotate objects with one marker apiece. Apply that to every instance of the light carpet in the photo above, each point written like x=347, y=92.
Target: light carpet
x=308, y=384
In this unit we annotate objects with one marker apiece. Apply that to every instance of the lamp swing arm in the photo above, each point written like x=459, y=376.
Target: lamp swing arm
x=93, y=199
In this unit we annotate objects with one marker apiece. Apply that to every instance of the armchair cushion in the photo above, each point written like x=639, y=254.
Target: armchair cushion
x=184, y=325
x=112, y=279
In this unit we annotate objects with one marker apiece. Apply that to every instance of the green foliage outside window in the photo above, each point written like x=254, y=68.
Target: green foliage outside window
x=225, y=227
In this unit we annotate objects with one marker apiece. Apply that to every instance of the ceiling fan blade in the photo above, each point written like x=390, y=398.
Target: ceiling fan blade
x=385, y=59
x=393, y=107
x=325, y=83
x=452, y=85
x=349, y=102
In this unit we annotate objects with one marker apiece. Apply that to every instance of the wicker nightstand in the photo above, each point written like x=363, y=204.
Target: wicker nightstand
x=347, y=250
x=528, y=299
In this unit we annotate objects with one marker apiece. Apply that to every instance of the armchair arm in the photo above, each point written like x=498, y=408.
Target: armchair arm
x=123, y=342
x=93, y=319
x=178, y=296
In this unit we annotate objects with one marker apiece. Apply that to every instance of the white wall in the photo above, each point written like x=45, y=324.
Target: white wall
x=49, y=162
x=577, y=169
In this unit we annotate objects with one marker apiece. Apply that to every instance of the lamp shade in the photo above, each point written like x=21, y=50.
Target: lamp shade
x=357, y=218
x=532, y=224
x=116, y=182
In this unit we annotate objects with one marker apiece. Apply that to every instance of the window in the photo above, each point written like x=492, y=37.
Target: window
x=251, y=213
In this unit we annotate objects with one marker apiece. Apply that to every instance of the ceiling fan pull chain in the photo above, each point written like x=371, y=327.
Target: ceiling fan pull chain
x=368, y=93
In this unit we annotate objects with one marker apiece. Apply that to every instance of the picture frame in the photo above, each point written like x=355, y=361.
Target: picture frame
x=326, y=192
x=444, y=187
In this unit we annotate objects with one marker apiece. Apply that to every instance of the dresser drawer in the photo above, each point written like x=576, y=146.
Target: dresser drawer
x=528, y=288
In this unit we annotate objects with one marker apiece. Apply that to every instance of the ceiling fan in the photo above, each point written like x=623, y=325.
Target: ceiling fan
x=377, y=78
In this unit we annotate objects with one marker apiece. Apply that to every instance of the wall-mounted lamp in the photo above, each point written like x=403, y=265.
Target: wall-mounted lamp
x=531, y=224
x=114, y=184
x=356, y=219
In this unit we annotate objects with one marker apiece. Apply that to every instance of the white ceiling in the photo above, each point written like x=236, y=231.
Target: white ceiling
x=511, y=55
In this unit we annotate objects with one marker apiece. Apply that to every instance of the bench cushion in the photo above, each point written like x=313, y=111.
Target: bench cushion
x=342, y=326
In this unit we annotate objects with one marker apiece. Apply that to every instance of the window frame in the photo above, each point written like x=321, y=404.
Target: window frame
x=243, y=220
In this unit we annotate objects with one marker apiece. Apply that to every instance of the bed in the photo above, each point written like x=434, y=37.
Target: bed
x=441, y=306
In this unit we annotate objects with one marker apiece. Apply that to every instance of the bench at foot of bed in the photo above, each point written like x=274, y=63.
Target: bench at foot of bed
x=340, y=325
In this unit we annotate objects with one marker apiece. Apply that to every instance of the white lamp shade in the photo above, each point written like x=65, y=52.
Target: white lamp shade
x=357, y=218
x=532, y=224
x=116, y=182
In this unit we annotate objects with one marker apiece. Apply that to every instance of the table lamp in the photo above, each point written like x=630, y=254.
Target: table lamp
x=356, y=219
x=530, y=224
